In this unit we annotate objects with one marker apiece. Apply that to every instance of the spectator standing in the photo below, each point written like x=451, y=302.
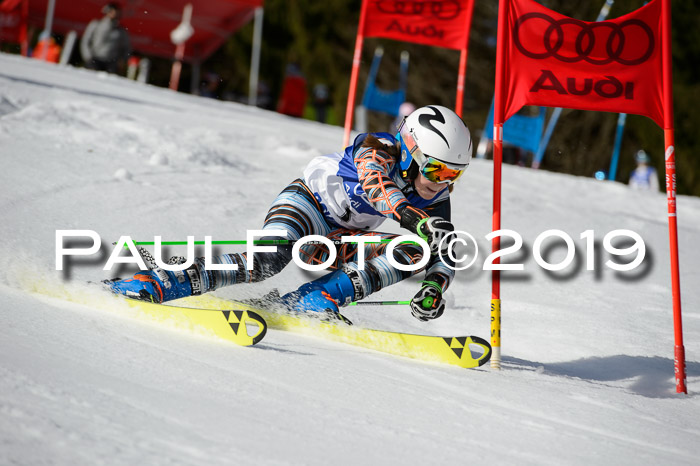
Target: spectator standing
x=322, y=100
x=47, y=49
x=644, y=177
x=105, y=45
x=264, y=99
x=293, y=98
x=210, y=86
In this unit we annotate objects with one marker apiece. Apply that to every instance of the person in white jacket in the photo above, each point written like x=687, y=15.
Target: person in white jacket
x=644, y=177
x=105, y=45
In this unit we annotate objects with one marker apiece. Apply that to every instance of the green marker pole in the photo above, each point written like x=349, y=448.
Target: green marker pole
x=257, y=241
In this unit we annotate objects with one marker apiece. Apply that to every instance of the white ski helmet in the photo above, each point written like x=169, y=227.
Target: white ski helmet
x=436, y=133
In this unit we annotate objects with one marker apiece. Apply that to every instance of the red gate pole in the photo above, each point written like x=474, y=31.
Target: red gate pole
x=355, y=72
x=498, y=117
x=460, y=81
x=670, y=156
x=463, y=62
x=679, y=349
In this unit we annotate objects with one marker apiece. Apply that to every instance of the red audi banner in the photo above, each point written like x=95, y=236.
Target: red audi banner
x=441, y=23
x=620, y=65
x=557, y=61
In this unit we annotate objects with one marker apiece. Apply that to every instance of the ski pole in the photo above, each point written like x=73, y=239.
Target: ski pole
x=380, y=303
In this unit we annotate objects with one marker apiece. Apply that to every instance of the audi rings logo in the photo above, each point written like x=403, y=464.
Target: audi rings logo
x=629, y=43
x=438, y=9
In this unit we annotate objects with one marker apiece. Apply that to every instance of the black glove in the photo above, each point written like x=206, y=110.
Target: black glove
x=428, y=304
x=431, y=229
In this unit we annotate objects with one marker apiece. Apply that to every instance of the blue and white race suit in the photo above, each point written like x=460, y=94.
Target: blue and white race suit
x=344, y=194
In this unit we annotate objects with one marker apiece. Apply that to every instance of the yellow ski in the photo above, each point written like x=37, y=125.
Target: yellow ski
x=242, y=326
x=246, y=325
x=463, y=351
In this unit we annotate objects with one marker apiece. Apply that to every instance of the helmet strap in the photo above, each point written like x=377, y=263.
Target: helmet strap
x=412, y=172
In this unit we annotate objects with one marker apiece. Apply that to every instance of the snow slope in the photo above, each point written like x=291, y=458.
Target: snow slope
x=588, y=355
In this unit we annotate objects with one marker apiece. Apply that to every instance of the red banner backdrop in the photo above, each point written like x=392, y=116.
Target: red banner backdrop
x=13, y=22
x=149, y=22
x=440, y=23
x=557, y=61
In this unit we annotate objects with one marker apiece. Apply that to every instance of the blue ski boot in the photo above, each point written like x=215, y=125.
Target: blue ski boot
x=158, y=285
x=327, y=294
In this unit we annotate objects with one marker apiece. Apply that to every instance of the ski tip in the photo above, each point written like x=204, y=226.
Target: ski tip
x=486, y=356
x=242, y=323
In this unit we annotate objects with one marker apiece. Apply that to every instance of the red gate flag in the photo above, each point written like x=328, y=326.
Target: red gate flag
x=441, y=23
x=620, y=65
x=557, y=61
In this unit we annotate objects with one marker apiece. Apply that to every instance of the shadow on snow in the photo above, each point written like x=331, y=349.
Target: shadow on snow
x=651, y=377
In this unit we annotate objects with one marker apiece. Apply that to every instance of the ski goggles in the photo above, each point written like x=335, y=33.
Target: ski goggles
x=432, y=169
x=439, y=172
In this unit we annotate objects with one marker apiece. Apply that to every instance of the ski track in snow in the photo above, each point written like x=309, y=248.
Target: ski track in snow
x=588, y=368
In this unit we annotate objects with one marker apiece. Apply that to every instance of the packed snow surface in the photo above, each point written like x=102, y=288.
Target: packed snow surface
x=588, y=354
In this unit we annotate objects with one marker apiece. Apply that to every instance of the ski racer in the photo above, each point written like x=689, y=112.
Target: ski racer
x=407, y=178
